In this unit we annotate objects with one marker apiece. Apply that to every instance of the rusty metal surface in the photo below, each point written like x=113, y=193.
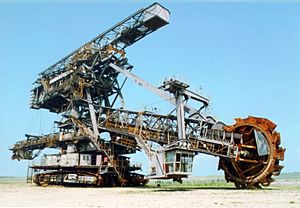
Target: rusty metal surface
x=249, y=170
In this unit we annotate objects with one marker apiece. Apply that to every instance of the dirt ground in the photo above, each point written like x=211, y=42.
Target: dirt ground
x=27, y=195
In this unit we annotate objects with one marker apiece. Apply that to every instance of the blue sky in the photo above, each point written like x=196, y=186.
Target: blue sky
x=244, y=56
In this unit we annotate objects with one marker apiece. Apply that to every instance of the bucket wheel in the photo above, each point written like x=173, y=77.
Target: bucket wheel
x=257, y=156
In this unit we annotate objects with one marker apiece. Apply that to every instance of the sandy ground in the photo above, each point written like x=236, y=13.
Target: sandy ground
x=27, y=195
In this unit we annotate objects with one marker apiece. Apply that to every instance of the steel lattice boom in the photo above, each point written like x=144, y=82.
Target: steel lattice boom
x=89, y=65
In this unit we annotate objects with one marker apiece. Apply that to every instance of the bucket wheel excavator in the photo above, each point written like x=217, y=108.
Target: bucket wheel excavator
x=96, y=131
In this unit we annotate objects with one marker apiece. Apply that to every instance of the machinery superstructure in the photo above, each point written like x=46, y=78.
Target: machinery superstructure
x=95, y=134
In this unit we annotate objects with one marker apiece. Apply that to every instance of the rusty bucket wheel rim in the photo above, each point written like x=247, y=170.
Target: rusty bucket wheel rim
x=262, y=176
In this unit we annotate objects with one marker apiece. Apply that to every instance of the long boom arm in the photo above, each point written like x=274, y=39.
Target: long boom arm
x=123, y=34
x=58, y=85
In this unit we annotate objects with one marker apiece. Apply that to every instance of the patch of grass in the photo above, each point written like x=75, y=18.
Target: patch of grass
x=285, y=187
x=12, y=180
x=289, y=176
x=189, y=184
x=218, y=182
